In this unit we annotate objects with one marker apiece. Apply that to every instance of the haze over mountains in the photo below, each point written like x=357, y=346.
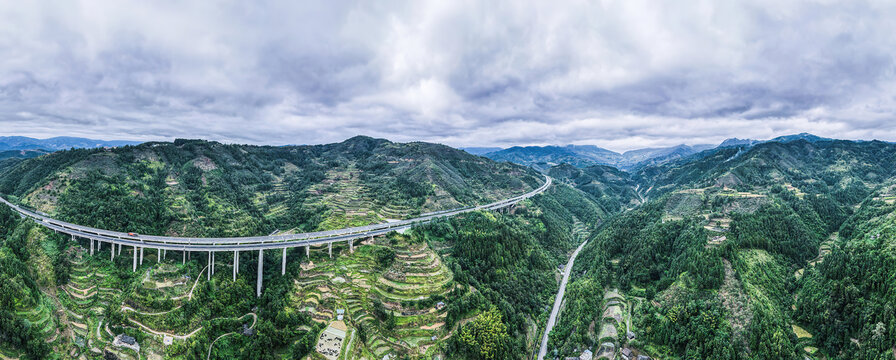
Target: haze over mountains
x=58, y=143
x=543, y=157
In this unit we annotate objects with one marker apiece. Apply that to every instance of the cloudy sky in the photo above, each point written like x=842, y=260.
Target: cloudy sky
x=619, y=74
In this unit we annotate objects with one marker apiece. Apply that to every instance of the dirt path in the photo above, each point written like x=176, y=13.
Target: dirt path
x=128, y=308
x=254, y=320
x=559, y=300
x=160, y=333
x=190, y=294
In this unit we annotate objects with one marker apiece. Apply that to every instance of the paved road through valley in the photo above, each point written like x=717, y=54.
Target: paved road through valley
x=559, y=300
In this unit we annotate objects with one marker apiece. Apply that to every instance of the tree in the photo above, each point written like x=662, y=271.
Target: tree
x=485, y=337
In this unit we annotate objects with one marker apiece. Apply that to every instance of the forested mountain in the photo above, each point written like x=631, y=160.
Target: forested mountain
x=543, y=157
x=821, y=166
x=782, y=250
x=9, y=158
x=200, y=188
x=613, y=189
x=21, y=154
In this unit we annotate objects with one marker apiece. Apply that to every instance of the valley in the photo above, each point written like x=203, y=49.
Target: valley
x=739, y=252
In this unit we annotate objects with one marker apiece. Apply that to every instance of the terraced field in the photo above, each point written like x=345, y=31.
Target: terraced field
x=85, y=300
x=407, y=290
x=42, y=315
x=80, y=309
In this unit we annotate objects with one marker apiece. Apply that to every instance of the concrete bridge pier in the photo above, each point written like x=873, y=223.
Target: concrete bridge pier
x=135, y=259
x=159, y=256
x=236, y=263
x=330, y=248
x=112, y=253
x=213, y=263
x=141, y=256
x=283, y=265
x=308, y=251
x=183, y=259
x=351, y=246
x=209, y=272
x=119, y=249
x=164, y=253
x=260, y=265
x=99, y=245
x=91, y=246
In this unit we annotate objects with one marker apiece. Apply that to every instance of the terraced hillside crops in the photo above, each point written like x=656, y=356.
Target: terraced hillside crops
x=397, y=307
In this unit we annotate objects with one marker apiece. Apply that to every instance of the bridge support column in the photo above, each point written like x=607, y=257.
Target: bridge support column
x=91, y=246
x=351, y=246
x=236, y=263
x=308, y=251
x=135, y=259
x=283, y=265
x=164, y=253
x=73, y=238
x=260, y=265
x=213, y=263
x=141, y=256
x=119, y=249
x=159, y=256
x=209, y=272
x=112, y=253
x=330, y=248
x=183, y=255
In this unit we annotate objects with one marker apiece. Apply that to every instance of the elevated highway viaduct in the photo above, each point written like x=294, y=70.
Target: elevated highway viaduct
x=187, y=245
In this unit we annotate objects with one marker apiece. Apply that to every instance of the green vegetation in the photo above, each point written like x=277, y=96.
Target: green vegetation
x=779, y=251
x=200, y=188
x=847, y=301
x=614, y=190
x=510, y=261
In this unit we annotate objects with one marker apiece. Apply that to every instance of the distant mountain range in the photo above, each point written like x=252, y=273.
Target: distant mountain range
x=544, y=157
x=480, y=150
x=57, y=143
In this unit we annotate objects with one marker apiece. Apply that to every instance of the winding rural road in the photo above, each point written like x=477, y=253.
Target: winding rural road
x=557, y=302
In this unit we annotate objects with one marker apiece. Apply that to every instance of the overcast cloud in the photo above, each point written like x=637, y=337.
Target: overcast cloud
x=618, y=74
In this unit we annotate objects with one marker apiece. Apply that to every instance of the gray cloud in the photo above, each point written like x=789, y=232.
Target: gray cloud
x=620, y=74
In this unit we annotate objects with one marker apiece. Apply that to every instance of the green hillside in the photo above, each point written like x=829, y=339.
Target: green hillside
x=201, y=188
x=613, y=189
x=736, y=255
x=842, y=168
